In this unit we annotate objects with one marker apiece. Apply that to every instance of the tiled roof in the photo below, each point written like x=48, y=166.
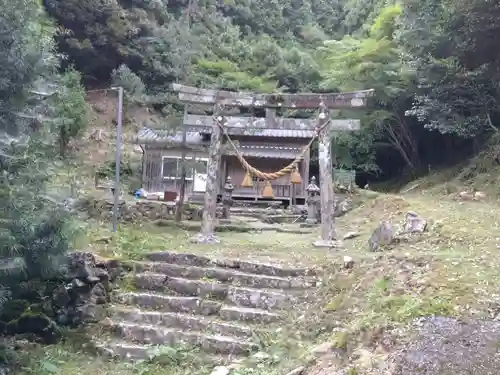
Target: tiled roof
x=264, y=151
x=155, y=136
x=147, y=135
x=279, y=133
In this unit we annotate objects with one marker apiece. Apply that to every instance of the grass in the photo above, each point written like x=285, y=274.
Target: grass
x=452, y=270
x=134, y=241
x=69, y=358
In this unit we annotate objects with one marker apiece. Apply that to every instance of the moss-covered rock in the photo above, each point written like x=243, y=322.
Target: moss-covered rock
x=38, y=324
x=13, y=309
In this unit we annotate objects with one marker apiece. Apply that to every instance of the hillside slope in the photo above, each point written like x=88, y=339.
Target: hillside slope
x=480, y=172
x=368, y=314
x=95, y=150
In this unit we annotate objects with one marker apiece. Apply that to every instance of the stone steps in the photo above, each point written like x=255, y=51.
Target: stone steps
x=241, y=265
x=155, y=335
x=124, y=350
x=246, y=314
x=217, y=305
x=239, y=296
x=159, y=302
x=195, y=305
x=223, y=275
x=180, y=320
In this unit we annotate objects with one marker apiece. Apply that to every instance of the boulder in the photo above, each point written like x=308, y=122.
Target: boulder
x=343, y=206
x=35, y=323
x=382, y=236
x=414, y=223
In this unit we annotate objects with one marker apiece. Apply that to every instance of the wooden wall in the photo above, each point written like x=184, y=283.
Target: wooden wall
x=230, y=166
x=152, y=179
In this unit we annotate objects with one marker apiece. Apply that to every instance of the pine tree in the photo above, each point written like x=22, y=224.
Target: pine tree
x=32, y=226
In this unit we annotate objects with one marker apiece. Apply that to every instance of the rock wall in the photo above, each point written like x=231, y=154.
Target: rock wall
x=142, y=210
x=82, y=296
x=78, y=296
x=148, y=210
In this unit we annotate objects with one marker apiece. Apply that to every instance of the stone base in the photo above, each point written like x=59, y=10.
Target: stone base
x=327, y=244
x=308, y=225
x=205, y=238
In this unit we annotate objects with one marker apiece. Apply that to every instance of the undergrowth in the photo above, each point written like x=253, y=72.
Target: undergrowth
x=479, y=173
x=70, y=358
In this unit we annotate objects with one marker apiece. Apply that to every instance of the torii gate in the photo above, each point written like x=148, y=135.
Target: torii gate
x=322, y=102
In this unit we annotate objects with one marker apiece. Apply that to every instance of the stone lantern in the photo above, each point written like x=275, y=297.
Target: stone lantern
x=313, y=200
x=227, y=198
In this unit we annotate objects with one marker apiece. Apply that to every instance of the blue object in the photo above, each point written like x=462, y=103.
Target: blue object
x=138, y=194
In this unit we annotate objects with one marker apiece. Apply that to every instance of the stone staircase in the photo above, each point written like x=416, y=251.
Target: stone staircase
x=218, y=305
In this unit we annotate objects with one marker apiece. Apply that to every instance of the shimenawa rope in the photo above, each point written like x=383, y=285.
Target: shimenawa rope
x=268, y=177
x=274, y=175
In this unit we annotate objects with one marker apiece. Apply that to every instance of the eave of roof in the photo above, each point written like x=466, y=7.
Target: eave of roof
x=158, y=136
x=166, y=138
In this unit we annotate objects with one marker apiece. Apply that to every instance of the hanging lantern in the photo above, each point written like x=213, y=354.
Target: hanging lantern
x=268, y=192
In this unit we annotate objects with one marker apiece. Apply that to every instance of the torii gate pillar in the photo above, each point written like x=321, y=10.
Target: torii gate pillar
x=327, y=195
x=209, y=218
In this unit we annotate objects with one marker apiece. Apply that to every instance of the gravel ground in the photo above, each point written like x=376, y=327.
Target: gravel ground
x=446, y=346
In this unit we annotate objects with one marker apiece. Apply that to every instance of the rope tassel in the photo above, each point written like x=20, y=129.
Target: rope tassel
x=252, y=172
x=268, y=192
x=295, y=177
x=247, y=180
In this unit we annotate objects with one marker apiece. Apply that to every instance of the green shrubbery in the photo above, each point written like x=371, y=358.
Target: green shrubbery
x=39, y=105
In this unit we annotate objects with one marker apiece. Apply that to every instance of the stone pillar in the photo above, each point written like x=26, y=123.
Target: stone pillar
x=313, y=193
x=227, y=198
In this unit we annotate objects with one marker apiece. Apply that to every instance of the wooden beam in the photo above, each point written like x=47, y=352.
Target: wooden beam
x=356, y=99
x=252, y=124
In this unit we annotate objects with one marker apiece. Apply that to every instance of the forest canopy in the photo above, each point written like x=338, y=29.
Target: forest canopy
x=433, y=63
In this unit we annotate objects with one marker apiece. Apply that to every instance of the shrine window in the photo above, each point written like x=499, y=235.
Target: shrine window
x=172, y=167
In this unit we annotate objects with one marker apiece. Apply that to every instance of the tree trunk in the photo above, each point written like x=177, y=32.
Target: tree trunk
x=62, y=141
x=396, y=141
